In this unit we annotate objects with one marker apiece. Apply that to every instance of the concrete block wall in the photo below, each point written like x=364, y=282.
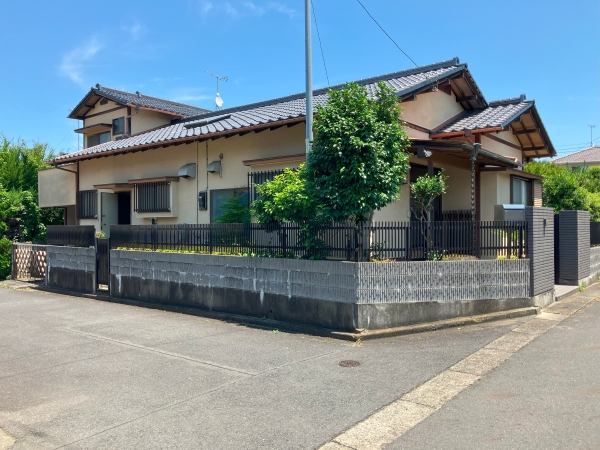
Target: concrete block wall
x=540, y=241
x=334, y=294
x=72, y=268
x=574, y=247
x=594, y=261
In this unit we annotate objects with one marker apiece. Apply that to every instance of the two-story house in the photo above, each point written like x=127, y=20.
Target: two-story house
x=150, y=160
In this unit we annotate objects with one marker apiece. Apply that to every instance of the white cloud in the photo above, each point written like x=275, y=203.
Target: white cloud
x=205, y=7
x=283, y=9
x=135, y=30
x=74, y=62
x=229, y=9
x=255, y=9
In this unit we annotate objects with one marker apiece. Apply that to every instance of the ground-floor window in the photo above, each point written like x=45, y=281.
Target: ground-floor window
x=222, y=201
x=152, y=197
x=87, y=204
x=521, y=192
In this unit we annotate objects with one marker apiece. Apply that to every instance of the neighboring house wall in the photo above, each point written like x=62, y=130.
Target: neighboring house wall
x=431, y=109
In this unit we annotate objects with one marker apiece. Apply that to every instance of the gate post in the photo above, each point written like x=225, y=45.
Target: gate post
x=574, y=248
x=540, y=251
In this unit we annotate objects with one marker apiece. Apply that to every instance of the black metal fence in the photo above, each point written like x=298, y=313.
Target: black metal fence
x=594, y=233
x=71, y=235
x=343, y=241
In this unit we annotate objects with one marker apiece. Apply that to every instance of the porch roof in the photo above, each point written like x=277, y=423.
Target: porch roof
x=517, y=114
x=462, y=153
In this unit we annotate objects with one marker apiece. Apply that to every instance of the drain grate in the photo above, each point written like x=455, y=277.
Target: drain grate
x=349, y=363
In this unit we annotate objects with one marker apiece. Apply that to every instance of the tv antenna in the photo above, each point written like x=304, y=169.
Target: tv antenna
x=218, y=99
x=591, y=134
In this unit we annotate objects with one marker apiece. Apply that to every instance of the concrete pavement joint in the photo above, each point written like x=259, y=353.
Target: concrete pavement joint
x=392, y=421
x=163, y=352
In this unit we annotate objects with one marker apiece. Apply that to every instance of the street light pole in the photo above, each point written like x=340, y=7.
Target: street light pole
x=309, y=92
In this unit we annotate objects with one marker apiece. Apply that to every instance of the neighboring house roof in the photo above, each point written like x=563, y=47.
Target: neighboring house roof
x=133, y=99
x=587, y=155
x=497, y=116
x=290, y=110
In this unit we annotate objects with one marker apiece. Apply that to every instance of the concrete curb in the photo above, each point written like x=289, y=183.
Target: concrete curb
x=270, y=324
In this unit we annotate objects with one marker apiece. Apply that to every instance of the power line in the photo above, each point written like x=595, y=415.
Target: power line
x=386, y=33
x=320, y=44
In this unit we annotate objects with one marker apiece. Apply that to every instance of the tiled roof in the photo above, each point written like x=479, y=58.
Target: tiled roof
x=277, y=110
x=498, y=114
x=590, y=154
x=148, y=102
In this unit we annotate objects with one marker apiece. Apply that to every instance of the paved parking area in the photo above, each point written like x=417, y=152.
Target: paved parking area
x=82, y=373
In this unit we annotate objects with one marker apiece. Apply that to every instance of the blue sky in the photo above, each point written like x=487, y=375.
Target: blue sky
x=53, y=52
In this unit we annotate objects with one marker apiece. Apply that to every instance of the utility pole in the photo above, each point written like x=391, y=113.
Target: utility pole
x=309, y=92
x=591, y=134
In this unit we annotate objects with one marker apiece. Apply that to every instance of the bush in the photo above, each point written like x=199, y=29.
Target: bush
x=5, y=258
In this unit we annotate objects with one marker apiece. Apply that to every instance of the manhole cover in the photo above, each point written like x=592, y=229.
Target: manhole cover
x=349, y=363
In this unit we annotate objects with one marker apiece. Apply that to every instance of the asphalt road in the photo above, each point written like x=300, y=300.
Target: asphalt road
x=81, y=373
x=546, y=396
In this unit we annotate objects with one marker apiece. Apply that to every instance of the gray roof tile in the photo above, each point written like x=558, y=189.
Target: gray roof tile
x=590, y=155
x=497, y=114
x=291, y=107
x=147, y=101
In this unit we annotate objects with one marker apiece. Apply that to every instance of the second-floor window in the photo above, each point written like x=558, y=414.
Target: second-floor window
x=118, y=126
x=100, y=138
x=152, y=197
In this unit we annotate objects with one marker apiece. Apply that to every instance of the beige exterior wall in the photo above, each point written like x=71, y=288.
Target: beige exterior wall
x=98, y=108
x=398, y=211
x=146, y=120
x=458, y=189
x=57, y=187
x=142, y=121
x=431, y=109
x=167, y=161
x=495, y=190
x=500, y=148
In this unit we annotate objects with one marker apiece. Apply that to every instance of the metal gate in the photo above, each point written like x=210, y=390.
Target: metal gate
x=102, y=262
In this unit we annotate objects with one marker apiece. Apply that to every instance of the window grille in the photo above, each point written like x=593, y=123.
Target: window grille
x=152, y=197
x=87, y=204
x=256, y=178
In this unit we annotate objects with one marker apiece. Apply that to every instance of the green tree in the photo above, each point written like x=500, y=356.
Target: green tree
x=358, y=161
x=19, y=164
x=286, y=199
x=562, y=188
x=423, y=193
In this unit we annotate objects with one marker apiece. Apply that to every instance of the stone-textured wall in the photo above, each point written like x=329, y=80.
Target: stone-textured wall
x=442, y=281
x=594, y=260
x=326, y=293
x=540, y=241
x=574, y=246
x=72, y=268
